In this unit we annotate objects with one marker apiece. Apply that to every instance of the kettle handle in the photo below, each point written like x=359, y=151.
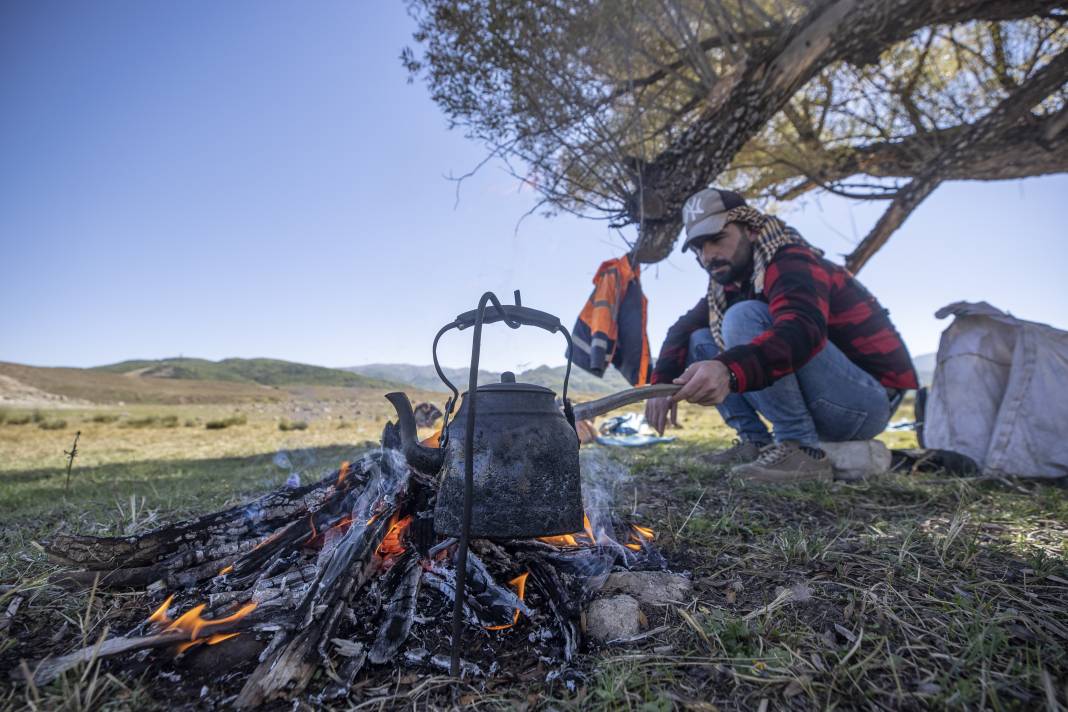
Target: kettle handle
x=508, y=313
x=514, y=316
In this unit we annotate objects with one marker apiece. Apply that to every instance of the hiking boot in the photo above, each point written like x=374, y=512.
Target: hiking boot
x=741, y=451
x=786, y=463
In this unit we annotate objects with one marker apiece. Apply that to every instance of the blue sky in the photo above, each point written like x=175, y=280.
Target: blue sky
x=259, y=179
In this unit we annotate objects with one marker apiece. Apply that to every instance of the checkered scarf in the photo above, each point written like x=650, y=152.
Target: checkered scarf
x=772, y=233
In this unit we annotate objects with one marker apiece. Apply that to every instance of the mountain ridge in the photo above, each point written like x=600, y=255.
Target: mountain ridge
x=425, y=377
x=262, y=371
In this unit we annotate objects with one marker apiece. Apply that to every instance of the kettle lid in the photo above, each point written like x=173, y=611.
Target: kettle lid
x=508, y=385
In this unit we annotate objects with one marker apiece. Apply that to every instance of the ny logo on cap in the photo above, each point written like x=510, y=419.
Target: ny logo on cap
x=692, y=210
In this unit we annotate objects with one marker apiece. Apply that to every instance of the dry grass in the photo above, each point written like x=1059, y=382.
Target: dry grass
x=904, y=592
x=908, y=592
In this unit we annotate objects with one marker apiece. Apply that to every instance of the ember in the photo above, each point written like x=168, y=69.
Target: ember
x=391, y=545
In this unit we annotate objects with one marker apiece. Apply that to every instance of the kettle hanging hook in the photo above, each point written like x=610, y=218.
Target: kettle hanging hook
x=514, y=317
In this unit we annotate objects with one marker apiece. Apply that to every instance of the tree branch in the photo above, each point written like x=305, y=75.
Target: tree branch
x=836, y=30
x=1020, y=151
x=1004, y=115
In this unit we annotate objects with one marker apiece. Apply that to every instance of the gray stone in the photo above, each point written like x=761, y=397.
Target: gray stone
x=613, y=618
x=653, y=588
x=857, y=460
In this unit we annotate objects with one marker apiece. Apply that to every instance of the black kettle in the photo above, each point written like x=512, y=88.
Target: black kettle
x=522, y=449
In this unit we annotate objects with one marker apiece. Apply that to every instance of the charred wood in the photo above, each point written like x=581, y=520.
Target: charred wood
x=565, y=609
x=486, y=603
x=241, y=522
x=399, y=612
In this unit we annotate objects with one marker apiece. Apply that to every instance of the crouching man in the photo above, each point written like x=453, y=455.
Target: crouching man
x=784, y=334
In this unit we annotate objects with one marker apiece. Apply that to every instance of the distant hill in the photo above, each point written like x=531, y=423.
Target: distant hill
x=30, y=386
x=263, y=371
x=426, y=378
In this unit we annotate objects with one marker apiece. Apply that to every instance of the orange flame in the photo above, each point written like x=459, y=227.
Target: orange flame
x=316, y=538
x=391, y=544
x=213, y=639
x=226, y=569
x=434, y=440
x=520, y=584
x=268, y=539
x=192, y=623
x=342, y=472
x=640, y=537
x=588, y=527
x=573, y=538
x=560, y=540
x=160, y=614
x=182, y=647
x=645, y=532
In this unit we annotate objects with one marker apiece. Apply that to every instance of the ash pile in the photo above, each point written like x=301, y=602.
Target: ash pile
x=307, y=590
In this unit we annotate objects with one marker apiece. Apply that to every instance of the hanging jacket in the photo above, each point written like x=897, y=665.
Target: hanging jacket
x=611, y=327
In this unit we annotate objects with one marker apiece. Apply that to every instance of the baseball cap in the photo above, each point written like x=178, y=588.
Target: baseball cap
x=705, y=213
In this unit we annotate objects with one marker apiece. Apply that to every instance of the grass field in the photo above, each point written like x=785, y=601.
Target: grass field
x=909, y=591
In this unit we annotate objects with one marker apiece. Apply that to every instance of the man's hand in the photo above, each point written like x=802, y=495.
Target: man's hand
x=658, y=411
x=704, y=383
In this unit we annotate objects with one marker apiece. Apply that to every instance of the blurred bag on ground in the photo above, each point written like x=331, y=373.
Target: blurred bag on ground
x=629, y=430
x=1000, y=393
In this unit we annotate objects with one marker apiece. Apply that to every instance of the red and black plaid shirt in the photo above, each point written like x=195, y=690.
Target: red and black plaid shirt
x=811, y=300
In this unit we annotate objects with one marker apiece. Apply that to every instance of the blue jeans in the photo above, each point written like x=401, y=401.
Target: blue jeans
x=829, y=398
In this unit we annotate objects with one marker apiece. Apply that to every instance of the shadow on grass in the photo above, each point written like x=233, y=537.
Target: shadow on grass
x=99, y=498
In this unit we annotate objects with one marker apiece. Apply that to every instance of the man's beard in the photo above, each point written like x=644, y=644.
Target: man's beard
x=723, y=272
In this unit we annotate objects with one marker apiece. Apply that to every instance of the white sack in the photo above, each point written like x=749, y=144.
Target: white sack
x=1000, y=392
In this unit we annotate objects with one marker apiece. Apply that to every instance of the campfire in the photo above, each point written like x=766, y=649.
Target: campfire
x=343, y=575
x=364, y=568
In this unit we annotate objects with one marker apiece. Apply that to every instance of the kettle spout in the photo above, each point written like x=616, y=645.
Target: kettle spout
x=423, y=458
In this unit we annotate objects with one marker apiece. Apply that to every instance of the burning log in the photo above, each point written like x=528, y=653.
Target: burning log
x=186, y=630
x=564, y=608
x=290, y=669
x=348, y=568
x=356, y=654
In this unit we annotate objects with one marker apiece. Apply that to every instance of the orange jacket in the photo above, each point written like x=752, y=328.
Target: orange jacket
x=611, y=327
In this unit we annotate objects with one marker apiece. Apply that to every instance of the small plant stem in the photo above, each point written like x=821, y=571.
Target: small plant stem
x=71, y=454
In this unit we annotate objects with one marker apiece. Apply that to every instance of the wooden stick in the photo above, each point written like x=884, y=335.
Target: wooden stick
x=591, y=409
